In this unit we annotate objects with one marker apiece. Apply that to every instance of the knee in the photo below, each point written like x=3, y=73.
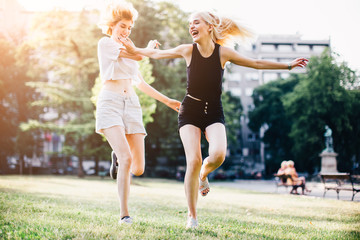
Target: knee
x=124, y=163
x=218, y=155
x=138, y=171
x=193, y=164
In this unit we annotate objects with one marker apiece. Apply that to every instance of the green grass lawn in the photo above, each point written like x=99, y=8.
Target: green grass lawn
x=49, y=207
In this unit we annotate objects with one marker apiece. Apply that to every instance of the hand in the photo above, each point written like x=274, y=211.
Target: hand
x=153, y=44
x=299, y=62
x=128, y=44
x=174, y=104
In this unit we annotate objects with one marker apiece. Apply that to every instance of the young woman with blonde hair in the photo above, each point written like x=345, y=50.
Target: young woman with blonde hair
x=201, y=109
x=118, y=113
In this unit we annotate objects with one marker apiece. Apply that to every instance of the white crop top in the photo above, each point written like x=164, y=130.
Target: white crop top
x=113, y=67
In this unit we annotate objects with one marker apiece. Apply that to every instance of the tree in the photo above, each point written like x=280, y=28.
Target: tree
x=269, y=111
x=354, y=135
x=295, y=111
x=232, y=110
x=15, y=66
x=72, y=67
x=7, y=126
x=71, y=61
x=321, y=99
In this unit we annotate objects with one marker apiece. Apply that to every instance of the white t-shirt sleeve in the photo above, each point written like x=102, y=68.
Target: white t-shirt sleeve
x=109, y=48
x=113, y=67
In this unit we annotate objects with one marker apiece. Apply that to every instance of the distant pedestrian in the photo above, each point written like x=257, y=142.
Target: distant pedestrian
x=118, y=113
x=201, y=109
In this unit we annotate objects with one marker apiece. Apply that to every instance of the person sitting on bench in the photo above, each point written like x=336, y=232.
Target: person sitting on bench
x=295, y=180
x=281, y=172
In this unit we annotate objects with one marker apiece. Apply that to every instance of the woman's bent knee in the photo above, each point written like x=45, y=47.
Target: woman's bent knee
x=138, y=171
x=218, y=156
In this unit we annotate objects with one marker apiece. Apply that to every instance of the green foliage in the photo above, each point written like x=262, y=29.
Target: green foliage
x=148, y=104
x=269, y=111
x=232, y=110
x=295, y=112
x=7, y=125
x=72, y=67
x=327, y=103
x=16, y=67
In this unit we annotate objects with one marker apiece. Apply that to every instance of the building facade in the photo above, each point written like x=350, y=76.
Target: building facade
x=241, y=82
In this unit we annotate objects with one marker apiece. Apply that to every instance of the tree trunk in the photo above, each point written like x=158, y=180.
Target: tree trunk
x=3, y=165
x=81, y=173
x=21, y=164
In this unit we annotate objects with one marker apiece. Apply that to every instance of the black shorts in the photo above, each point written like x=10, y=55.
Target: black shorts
x=201, y=114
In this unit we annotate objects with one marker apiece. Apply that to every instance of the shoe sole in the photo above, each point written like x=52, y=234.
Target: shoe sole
x=113, y=168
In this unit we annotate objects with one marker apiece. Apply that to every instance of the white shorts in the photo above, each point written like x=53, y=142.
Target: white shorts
x=114, y=109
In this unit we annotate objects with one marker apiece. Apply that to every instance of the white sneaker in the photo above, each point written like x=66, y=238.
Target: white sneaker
x=191, y=223
x=126, y=220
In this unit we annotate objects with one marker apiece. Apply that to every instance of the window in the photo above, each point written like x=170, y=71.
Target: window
x=303, y=48
x=286, y=60
x=251, y=137
x=270, y=77
x=253, y=76
x=236, y=91
x=232, y=84
x=268, y=48
x=248, y=92
x=285, y=48
x=245, y=152
x=234, y=76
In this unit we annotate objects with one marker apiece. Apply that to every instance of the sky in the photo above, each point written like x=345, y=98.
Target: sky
x=313, y=19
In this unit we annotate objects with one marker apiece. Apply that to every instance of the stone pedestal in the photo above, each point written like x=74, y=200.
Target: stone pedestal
x=328, y=162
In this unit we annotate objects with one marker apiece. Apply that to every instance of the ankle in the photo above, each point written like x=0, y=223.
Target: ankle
x=191, y=216
x=202, y=177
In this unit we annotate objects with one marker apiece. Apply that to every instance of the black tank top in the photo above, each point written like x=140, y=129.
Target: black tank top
x=204, y=75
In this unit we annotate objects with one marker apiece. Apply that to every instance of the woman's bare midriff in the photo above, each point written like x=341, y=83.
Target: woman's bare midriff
x=123, y=87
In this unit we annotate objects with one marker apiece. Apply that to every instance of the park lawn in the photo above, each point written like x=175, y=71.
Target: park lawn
x=51, y=207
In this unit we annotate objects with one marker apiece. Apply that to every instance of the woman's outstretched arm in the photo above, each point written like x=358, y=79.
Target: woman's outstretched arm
x=232, y=56
x=181, y=51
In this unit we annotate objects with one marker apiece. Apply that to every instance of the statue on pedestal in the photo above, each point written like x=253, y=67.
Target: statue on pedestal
x=328, y=156
x=328, y=139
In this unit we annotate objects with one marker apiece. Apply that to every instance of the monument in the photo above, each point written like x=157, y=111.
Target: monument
x=328, y=156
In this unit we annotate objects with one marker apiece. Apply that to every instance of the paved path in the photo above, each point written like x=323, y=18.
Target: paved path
x=268, y=186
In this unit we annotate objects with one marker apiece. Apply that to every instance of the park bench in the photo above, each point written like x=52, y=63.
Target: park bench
x=341, y=182
x=282, y=181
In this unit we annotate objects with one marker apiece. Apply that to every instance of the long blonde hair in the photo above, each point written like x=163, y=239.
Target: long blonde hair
x=115, y=11
x=225, y=30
